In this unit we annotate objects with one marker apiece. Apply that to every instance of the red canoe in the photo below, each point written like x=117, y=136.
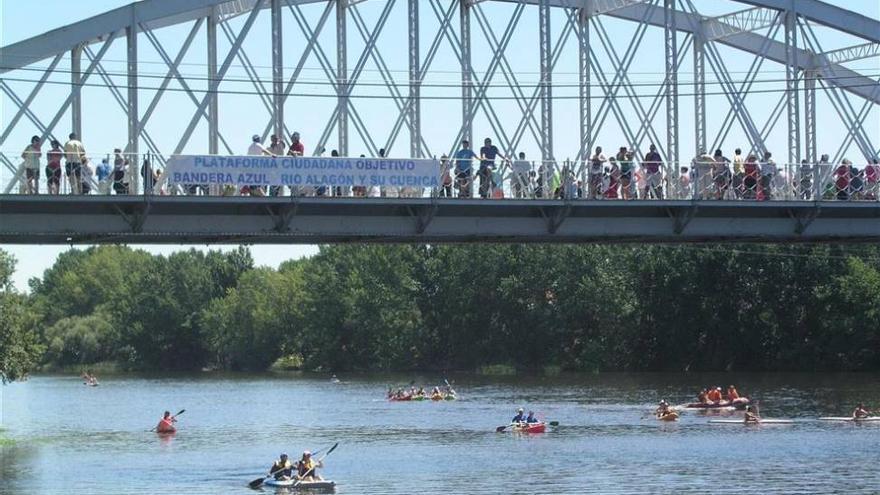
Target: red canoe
x=530, y=427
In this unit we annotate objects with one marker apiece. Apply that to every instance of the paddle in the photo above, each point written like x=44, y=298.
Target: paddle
x=259, y=481
x=172, y=417
x=303, y=477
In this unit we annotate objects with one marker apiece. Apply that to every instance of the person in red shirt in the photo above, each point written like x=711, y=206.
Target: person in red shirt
x=750, y=179
x=53, y=167
x=872, y=180
x=842, y=176
x=715, y=394
x=732, y=394
x=296, y=146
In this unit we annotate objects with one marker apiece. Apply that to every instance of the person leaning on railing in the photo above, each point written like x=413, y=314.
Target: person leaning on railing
x=872, y=180
x=31, y=156
x=74, y=154
x=53, y=168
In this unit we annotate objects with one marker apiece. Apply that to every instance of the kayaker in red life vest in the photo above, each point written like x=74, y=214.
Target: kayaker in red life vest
x=281, y=469
x=732, y=394
x=166, y=424
x=714, y=395
x=519, y=418
x=860, y=412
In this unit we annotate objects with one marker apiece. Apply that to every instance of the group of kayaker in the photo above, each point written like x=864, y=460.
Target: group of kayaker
x=447, y=393
x=521, y=418
x=306, y=468
x=714, y=395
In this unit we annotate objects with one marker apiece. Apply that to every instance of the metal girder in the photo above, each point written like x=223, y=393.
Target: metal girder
x=76, y=80
x=24, y=108
x=699, y=94
x=213, y=82
x=671, y=49
x=585, y=105
x=810, y=116
x=546, y=83
x=277, y=69
x=791, y=85
x=828, y=15
x=342, y=82
x=834, y=74
x=132, y=112
x=739, y=22
x=414, y=104
x=467, y=106
x=848, y=54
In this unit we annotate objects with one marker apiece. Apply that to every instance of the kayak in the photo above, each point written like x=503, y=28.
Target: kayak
x=449, y=397
x=740, y=403
x=436, y=397
x=741, y=422
x=401, y=399
x=418, y=397
x=670, y=416
x=869, y=419
x=305, y=485
x=529, y=427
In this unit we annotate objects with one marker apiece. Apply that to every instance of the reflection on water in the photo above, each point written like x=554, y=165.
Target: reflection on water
x=71, y=439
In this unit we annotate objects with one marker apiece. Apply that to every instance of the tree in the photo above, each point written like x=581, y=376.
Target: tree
x=20, y=349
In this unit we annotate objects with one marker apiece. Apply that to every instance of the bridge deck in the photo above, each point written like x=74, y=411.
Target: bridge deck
x=200, y=220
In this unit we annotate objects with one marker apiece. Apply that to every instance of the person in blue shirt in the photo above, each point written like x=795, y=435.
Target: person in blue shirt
x=102, y=171
x=488, y=153
x=519, y=418
x=531, y=418
x=463, y=165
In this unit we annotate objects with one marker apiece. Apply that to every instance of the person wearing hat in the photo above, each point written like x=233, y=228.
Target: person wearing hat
x=662, y=408
x=519, y=416
x=281, y=469
x=307, y=468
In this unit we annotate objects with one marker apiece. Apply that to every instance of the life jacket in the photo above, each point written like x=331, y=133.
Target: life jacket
x=305, y=466
x=732, y=394
x=280, y=469
x=166, y=426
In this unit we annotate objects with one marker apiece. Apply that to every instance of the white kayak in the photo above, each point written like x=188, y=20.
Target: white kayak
x=304, y=485
x=869, y=419
x=741, y=422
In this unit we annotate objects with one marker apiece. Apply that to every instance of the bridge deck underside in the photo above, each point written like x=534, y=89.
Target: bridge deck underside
x=199, y=220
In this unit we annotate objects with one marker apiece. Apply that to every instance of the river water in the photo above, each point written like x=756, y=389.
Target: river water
x=72, y=439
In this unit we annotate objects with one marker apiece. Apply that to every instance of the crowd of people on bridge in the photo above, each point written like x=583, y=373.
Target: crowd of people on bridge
x=491, y=175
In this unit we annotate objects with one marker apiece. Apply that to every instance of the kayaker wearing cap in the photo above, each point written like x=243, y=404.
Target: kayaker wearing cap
x=860, y=412
x=166, y=424
x=732, y=394
x=435, y=394
x=281, y=469
x=714, y=395
x=307, y=468
x=752, y=415
x=531, y=418
x=519, y=418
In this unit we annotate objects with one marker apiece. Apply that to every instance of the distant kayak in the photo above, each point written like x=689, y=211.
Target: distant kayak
x=869, y=419
x=742, y=422
x=529, y=427
x=305, y=485
x=401, y=399
x=670, y=416
x=165, y=427
x=740, y=403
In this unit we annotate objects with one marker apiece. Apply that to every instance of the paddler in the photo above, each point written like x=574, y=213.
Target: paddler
x=714, y=395
x=435, y=394
x=519, y=416
x=732, y=394
x=752, y=415
x=421, y=392
x=307, y=468
x=703, y=396
x=662, y=408
x=166, y=424
x=531, y=417
x=449, y=391
x=281, y=469
x=860, y=412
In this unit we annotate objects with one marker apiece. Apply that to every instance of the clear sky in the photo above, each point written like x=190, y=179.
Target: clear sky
x=242, y=115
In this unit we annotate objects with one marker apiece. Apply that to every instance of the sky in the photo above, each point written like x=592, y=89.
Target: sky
x=312, y=100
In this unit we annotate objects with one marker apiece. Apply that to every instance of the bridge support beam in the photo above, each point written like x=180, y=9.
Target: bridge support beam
x=546, y=83
x=415, y=76
x=791, y=84
x=277, y=70
x=342, y=88
x=671, y=50
x=132, y=102
x=810, y=116
x=699, y=93
x=76, y=90
x=586, y=121
x=213, y=103
x=467, y=102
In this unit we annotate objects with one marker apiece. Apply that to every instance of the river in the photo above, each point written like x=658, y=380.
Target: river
x=68, y=439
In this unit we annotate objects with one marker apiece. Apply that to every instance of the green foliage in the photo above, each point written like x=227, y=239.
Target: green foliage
x=20, y=348
x=473, y=307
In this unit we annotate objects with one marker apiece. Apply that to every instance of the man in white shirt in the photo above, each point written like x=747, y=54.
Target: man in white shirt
x=768, y=170
x=521, y=168
x=276, y=148
x=257, y=149
x=597, y=164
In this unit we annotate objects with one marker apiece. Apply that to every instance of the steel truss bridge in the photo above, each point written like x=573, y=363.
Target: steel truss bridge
x=781, y=32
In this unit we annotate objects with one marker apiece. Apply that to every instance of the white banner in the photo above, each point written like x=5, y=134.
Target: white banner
x=302, y=171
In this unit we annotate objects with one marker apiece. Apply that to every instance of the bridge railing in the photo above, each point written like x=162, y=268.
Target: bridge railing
x=117, y=173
